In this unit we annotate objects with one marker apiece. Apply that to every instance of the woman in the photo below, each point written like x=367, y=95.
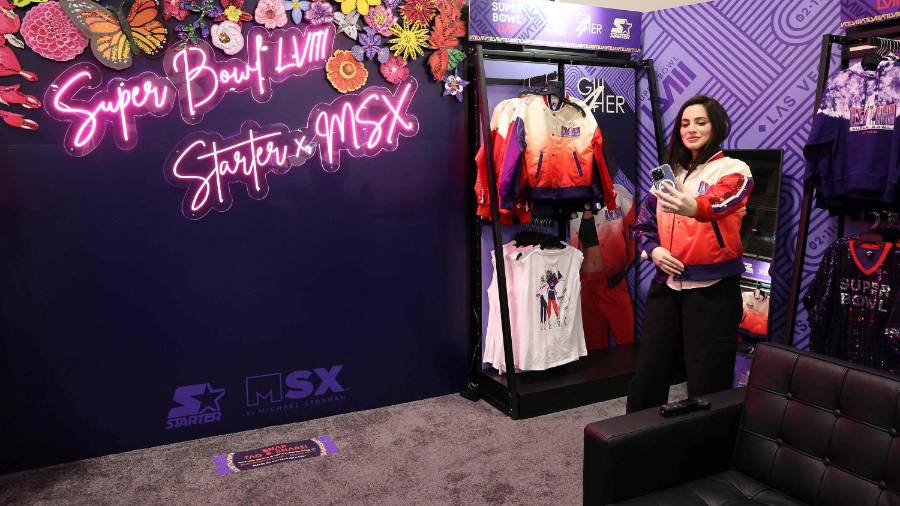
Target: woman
x=692, y=234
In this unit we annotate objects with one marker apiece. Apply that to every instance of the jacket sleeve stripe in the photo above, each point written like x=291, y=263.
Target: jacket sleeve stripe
x=734, y=196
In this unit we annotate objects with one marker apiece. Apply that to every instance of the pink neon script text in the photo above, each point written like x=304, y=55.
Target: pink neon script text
x=123, y=101
x=364, y=124
x=206, y=164
x=202, y=81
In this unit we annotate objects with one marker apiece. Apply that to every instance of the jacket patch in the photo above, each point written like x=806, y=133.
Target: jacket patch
x=570, y=131
x=704, y=187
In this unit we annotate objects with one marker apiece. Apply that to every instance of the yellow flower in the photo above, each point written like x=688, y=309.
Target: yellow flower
x=362, y=6
x=233, y=13
x=410, y=41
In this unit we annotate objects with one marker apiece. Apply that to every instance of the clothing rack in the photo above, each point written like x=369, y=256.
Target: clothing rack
x=507, y=393
x=857, y=43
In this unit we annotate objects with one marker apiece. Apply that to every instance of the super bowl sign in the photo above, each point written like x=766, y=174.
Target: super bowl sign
x=863, y=12
x=205, y=163
x=554, y=24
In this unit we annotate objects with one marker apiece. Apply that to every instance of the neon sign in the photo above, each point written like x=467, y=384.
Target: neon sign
x=123, y=101
x=364, y=124
x=202, y=81
x=207, y=164
x=361, y=125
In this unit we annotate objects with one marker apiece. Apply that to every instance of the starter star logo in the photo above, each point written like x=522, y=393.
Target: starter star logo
x=621, y=29
x=198, y=404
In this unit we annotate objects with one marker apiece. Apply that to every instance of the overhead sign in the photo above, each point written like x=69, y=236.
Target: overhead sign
x=863, y=12
x=554, y=24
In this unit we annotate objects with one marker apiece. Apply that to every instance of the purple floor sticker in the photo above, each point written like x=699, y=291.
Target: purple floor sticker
x=231, y=463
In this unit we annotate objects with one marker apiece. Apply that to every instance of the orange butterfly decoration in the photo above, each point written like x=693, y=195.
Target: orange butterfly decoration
x=448, y=28
x=114, y=37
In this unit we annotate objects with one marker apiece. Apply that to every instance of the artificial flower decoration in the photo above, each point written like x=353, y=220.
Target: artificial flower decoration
x=24, y=3
x=370, y=47
x=418, y=11
x=453, y=86
x=361, y=6
x=174, y=9
x=381, y=19
x=271, y=14
x=296, y=8
x=320, y=13
x=390, y=4
x=9, y=25
x=50, y=33
x=207, y=9
x=233, y=10
x=394, y=70
x=443, y=39
x=345, y=72
x=409, y=42
x=227, y=36
x=190, y=32
x=346, y=23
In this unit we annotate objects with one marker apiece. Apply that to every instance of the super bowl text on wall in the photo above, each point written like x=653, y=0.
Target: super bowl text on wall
x=205, y=163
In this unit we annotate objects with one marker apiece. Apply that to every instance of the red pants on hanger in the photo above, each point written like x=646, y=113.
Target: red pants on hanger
x=603, y=308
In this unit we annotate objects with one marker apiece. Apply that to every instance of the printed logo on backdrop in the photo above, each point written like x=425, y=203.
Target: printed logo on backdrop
x=767, y=84
x=862, y=12
x=621, y=29
x=195, y=405
x=277, y=392
x=599, y=97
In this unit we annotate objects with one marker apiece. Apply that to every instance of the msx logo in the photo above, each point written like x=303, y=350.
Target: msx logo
x=275, y=388
x=621, y=29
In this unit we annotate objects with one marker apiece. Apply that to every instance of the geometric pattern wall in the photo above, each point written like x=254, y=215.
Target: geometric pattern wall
x=759, y=58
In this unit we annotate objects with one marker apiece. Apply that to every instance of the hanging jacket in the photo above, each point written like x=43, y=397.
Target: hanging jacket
x=502, y=127
x=614, y=235
x=709, y=244
x=556, y=152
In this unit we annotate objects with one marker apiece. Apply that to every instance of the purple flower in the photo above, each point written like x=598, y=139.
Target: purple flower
x=320, y=13
x=453, y=85
x=370, y=47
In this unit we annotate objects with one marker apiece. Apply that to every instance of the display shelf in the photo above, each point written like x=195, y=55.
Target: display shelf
x=600, y=376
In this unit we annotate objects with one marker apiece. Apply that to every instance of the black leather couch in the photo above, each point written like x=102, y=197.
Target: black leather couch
x=807, y=430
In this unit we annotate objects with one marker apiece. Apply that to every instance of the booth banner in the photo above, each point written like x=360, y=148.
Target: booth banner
x=766, y=80
x=554, y=24
x=862, y=12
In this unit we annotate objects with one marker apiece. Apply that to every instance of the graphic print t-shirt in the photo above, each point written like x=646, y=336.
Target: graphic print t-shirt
x=548, y=290
x=853, y=150
x=852, y=304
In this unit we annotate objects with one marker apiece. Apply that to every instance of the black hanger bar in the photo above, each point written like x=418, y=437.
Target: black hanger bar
x=526, y=81
x=542, y=56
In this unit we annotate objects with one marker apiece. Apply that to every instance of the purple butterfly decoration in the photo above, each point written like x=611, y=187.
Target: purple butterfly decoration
x=370, y=47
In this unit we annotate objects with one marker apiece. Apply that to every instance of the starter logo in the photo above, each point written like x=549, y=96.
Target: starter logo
x=621, y=29
x=274, y=392
x=197, y=404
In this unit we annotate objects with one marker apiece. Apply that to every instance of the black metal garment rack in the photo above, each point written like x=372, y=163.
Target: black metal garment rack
x=560, y=391
x=870, y=38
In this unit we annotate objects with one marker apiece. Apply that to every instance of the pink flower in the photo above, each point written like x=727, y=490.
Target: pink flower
x=173, y=9
x=49, y=32
x=394, y=70
x=381, y=19
x=227, y=36
x=271, y=14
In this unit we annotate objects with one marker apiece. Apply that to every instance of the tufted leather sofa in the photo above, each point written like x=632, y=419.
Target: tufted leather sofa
x=807, y=430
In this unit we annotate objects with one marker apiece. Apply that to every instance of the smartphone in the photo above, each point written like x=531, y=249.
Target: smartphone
x=660, y=174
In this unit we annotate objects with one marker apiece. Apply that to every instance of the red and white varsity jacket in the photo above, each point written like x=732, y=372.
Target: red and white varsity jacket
x=709, y=244
x=556, y=152
x=502, y=126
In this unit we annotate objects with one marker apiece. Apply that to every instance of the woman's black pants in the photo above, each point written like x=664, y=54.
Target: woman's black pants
x=696, y=328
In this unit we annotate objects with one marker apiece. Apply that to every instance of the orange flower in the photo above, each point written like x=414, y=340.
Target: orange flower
x=345, y=72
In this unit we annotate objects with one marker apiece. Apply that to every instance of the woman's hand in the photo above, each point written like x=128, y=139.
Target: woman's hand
x=680, y=201
x=665, y=261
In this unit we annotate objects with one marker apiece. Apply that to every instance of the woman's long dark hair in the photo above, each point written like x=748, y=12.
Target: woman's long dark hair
x=678, y=154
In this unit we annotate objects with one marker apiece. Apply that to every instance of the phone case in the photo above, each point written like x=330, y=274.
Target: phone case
x=660, y=174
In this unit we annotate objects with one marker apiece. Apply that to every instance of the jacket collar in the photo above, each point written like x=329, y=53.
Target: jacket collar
x=719, y=155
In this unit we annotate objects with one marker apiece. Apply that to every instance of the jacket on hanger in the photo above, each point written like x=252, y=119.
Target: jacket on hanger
x=503, y=116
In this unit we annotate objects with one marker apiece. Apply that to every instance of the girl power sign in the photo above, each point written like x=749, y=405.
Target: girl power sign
x=205, y=164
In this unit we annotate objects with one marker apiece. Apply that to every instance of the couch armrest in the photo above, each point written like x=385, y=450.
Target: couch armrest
x=641, y=452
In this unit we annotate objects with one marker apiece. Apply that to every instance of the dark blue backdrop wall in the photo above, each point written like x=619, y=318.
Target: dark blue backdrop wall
x=121, y=319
